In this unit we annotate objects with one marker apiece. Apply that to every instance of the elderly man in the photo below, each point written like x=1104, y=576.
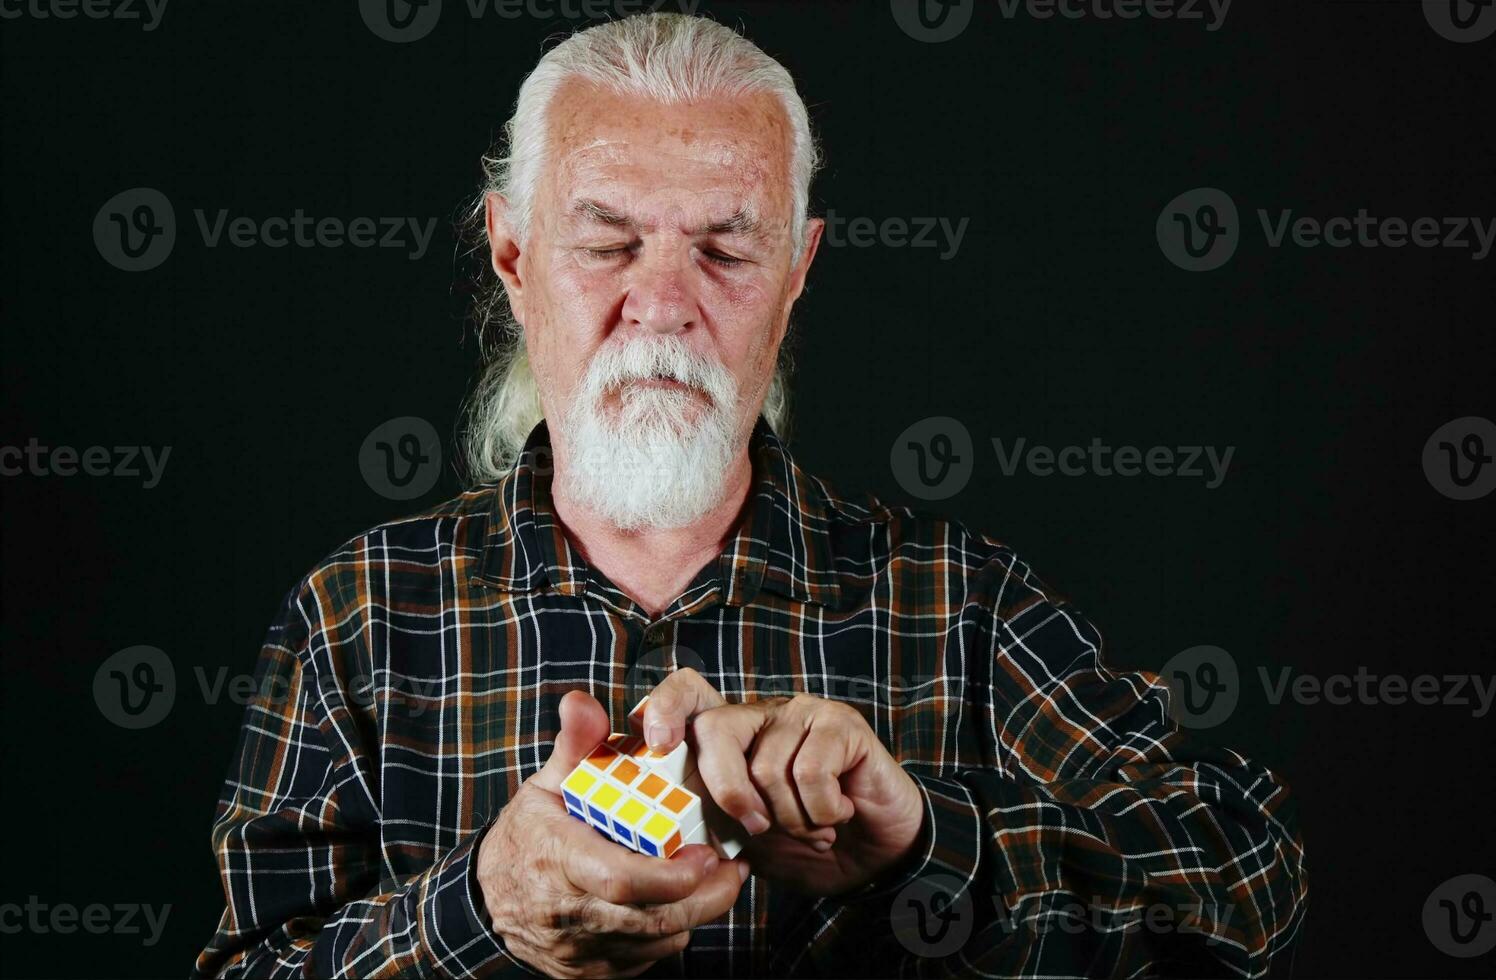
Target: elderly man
x=916, y=734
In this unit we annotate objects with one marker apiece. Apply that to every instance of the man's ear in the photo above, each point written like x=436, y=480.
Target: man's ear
x=813, y=230
x=504, y=250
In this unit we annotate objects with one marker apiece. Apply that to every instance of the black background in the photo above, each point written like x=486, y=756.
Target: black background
x=1059, y=320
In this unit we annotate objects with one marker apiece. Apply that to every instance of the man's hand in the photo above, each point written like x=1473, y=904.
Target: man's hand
x=829, y=808
x=573, y=904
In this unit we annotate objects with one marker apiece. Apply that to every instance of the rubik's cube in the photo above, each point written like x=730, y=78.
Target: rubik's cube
x=653, y=803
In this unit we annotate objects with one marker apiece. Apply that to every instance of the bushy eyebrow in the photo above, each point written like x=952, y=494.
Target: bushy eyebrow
x=740, y=222
x=597, y=211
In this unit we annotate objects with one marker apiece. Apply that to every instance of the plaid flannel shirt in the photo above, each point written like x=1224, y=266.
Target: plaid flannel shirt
x=411, y=681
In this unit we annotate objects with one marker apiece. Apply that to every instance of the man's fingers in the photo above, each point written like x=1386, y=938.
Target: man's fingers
x=602, y=868
x=599, y=959
x=716, y=894
x=584, y=723
x=673, y=702
x=773, y=752
x=629, y=955
x=817, y=770
x=648, y=923
x=722, y=737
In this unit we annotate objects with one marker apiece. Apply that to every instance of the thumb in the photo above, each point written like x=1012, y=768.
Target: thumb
x=584, y=723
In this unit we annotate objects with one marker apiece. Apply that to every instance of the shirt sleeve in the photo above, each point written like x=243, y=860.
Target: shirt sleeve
x=1096, y=839
x=296, y=840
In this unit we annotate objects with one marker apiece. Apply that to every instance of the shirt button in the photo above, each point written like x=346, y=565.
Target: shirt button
x=655, y=635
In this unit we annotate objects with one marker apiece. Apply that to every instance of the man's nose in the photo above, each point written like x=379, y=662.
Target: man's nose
x=660, y=297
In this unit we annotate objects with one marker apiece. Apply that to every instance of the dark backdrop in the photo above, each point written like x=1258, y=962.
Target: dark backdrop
x=1328, y=548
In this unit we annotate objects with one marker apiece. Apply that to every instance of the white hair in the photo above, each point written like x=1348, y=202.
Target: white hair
x=664, y=57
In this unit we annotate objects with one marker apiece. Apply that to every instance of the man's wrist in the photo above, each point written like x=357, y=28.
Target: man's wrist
x=949, y=841
x=909, y=862
x=481, y=912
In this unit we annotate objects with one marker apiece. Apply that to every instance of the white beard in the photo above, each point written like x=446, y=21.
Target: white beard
x=651, y=465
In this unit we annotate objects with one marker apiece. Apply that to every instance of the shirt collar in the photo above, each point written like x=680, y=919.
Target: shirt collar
x=783, y=543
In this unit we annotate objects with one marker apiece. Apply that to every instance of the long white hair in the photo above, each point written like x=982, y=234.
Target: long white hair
x=663, y=57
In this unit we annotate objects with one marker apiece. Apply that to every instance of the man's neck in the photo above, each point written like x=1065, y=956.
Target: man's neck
x=653, y=567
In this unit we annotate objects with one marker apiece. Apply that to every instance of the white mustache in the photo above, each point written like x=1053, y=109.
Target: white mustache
x=668, y=358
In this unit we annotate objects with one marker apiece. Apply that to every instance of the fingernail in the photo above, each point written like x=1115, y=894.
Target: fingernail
x=742, y=871
x=657, y=734
x=821, y=845
x=755, y=823
x=712, y=862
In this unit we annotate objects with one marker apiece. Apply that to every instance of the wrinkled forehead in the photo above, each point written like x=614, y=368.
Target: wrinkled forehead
x=686, y=165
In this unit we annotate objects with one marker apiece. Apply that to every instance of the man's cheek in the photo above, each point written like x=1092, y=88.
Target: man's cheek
x=749, y=297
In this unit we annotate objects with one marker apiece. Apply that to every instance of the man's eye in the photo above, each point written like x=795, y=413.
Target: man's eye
x=608, y=252
x=722, y=259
